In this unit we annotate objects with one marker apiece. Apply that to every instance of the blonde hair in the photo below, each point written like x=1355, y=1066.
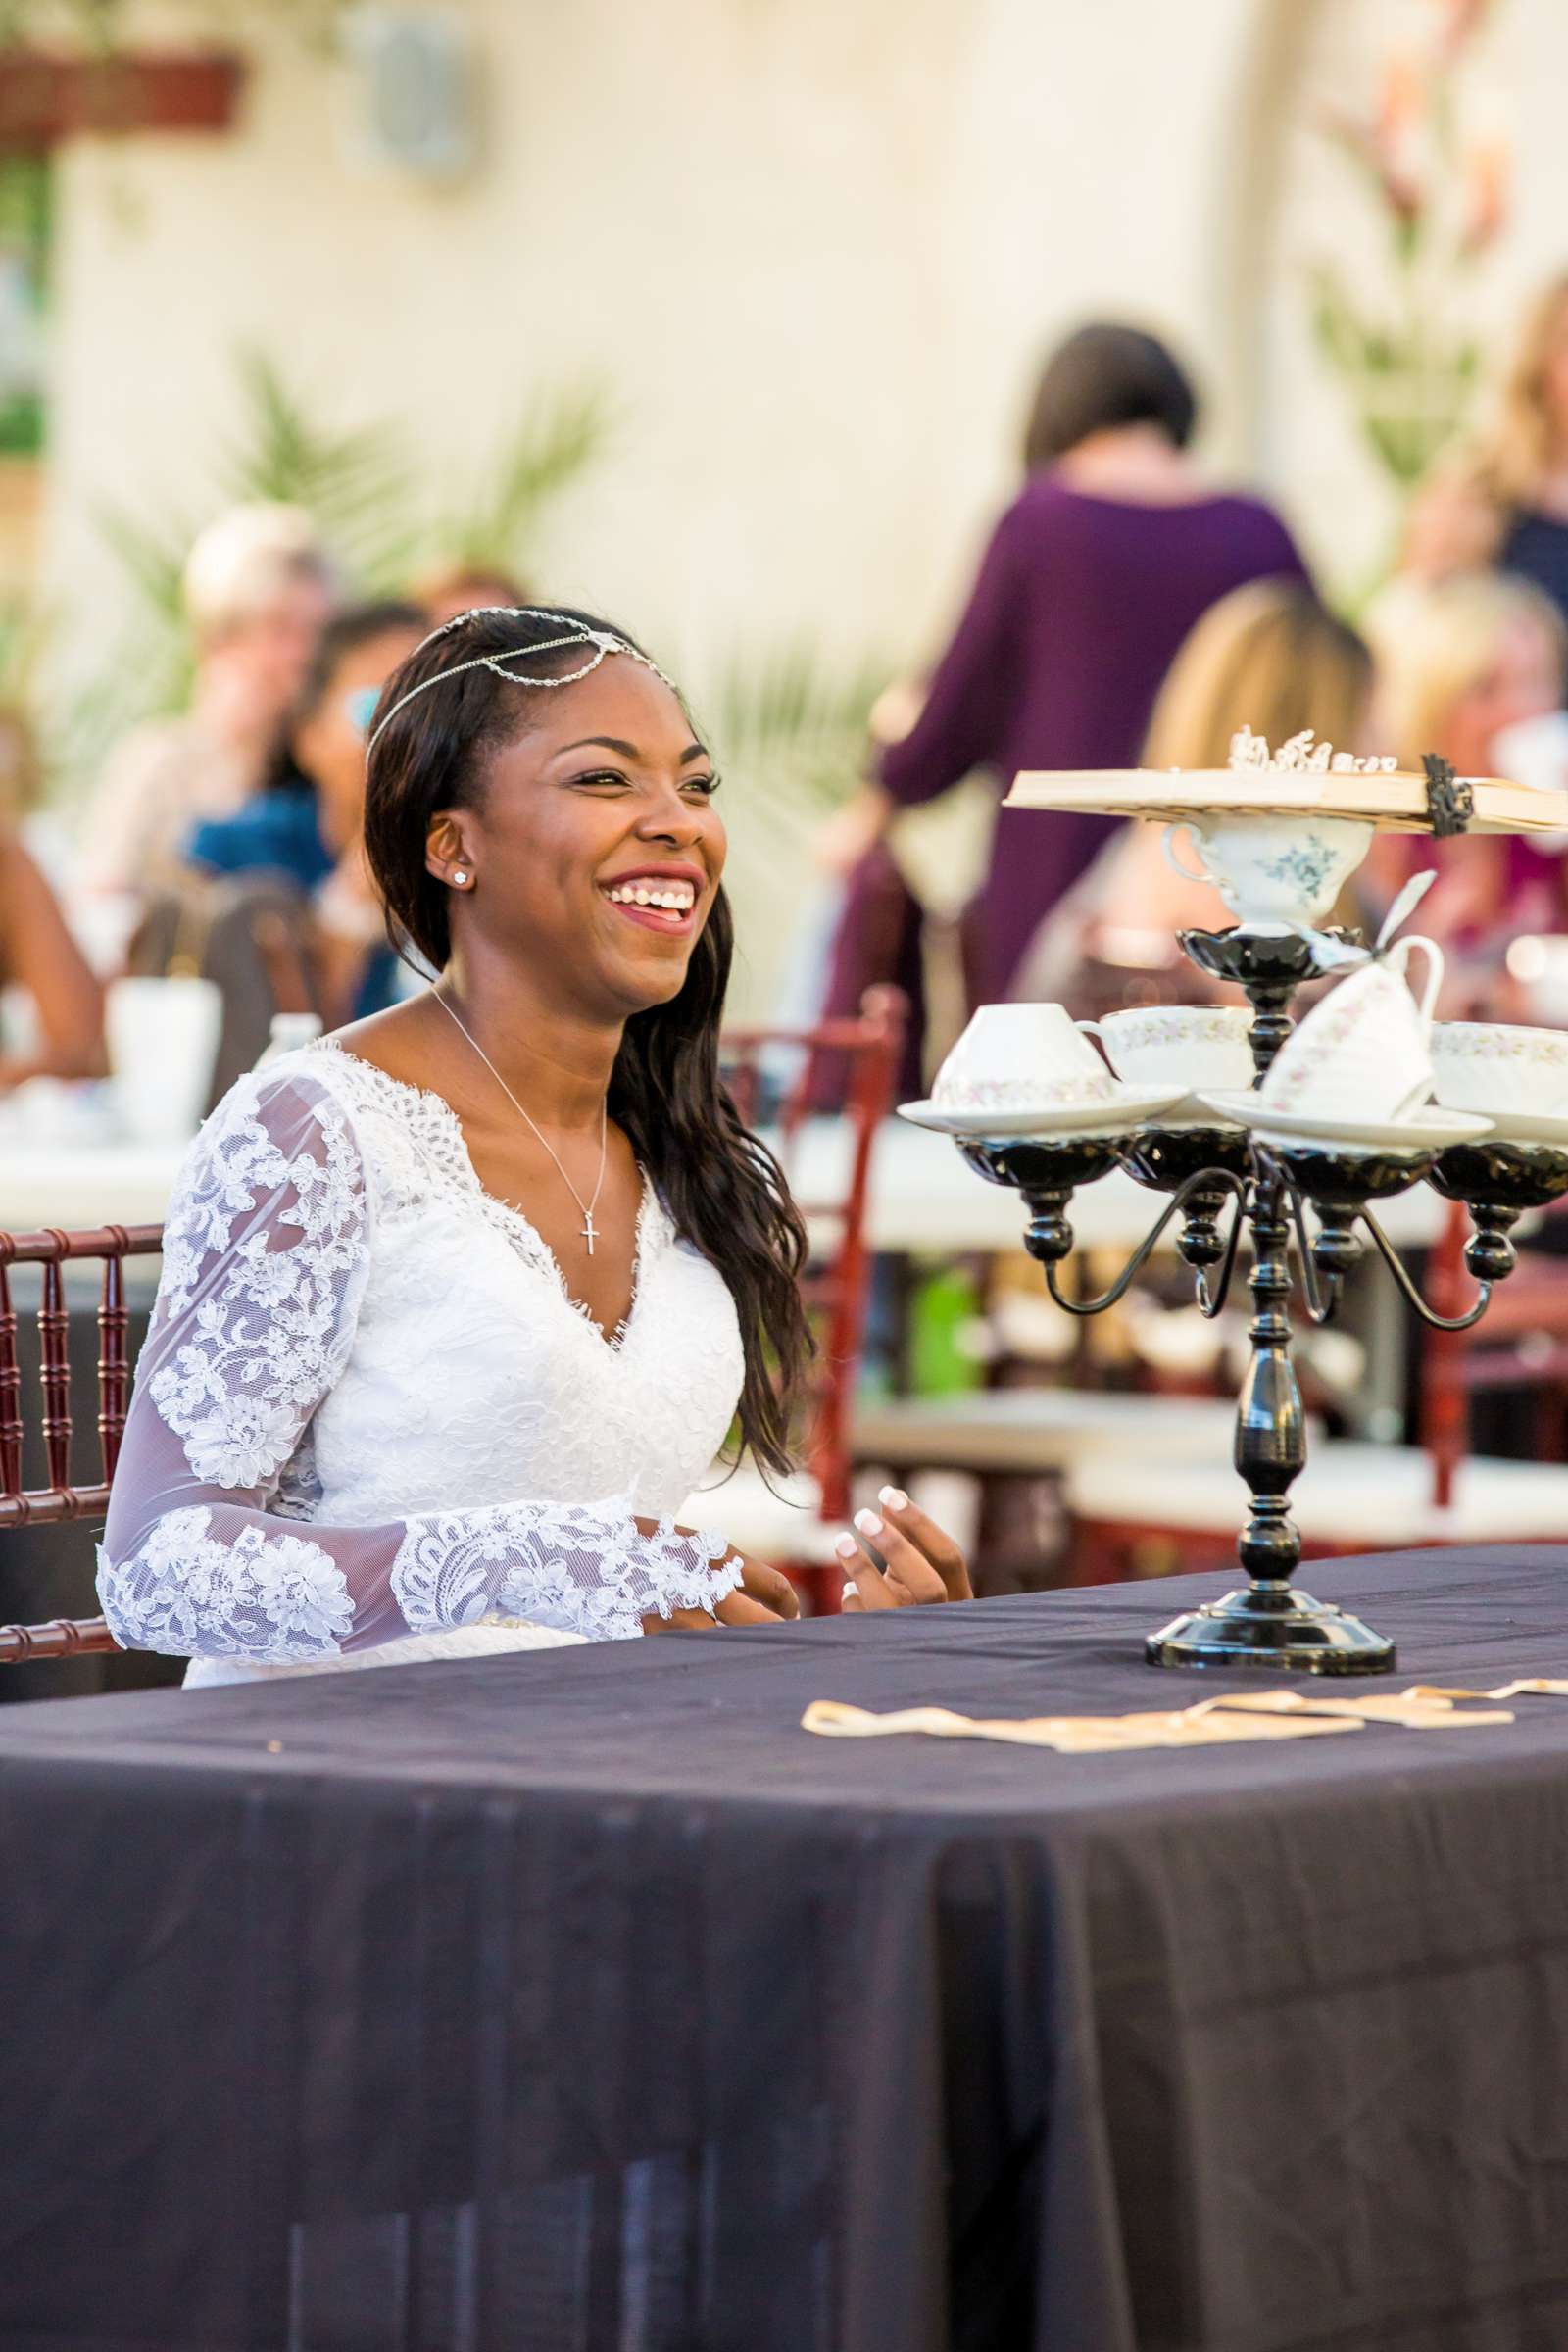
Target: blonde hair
x=1269, y=656
x=1438, y=644
x=241, y=563
x=1511, y=460
x=1460, y=513
x=456, y=587
x=21, y=769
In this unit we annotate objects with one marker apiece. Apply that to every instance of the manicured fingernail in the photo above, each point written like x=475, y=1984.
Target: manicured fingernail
x=894, y=1498
x=845, y=1547
x=869, y=1523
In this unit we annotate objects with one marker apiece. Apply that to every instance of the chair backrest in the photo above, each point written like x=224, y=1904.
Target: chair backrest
x=1520, y=1343
x=254, y=936
x=775, y=1076
x=61, y=1499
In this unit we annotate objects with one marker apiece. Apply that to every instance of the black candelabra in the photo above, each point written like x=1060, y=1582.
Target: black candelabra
x=1267, y=1187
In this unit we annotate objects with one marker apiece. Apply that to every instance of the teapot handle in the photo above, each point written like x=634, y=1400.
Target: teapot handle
x=1434, y=955
x=1173, y=861
x=1094, y=1031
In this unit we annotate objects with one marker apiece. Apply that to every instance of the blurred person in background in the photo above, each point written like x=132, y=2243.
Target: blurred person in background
x=1270, y=657
x=1114, y=548
x=1471, y=659
x=455, y=588
x=1503, y=501
x=258, y=589
x=51, y=1015
x=308, y=822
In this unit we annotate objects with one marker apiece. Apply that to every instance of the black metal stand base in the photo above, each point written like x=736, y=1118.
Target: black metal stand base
x=1272, y=1625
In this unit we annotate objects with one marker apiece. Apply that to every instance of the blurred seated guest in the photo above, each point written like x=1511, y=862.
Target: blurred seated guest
x=1503, y=501
x=1461, y=665
x=61, y=1004
x=454, y=588
x=310, y=823
x=1270, y=657
x=258, y=589
x=1110, y=552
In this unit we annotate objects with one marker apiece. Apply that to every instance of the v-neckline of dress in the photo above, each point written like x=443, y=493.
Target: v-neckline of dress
x=512, y=1220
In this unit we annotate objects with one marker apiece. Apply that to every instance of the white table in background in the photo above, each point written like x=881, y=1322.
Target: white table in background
x=925, y=1200
x=82, y=1185
x=928, y=1201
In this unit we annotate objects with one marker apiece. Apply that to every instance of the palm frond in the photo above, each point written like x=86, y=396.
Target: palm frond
x=554, y=443
x=791, y=721
x=359, y=485
x=152, y=554
x=358, y=482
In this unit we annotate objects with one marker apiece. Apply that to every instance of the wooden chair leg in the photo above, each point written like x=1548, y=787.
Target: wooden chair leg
x=1094, y=1553
x=821, y=1589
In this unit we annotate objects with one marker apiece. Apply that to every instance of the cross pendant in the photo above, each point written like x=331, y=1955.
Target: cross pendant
x=588, y=1233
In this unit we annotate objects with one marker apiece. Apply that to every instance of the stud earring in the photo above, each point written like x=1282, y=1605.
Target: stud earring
x=461, y=879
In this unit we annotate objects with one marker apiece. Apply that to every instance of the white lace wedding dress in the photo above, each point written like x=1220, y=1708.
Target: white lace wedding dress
x=369, y=1423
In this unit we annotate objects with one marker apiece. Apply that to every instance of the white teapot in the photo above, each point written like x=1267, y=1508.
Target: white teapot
x=1364, y=1052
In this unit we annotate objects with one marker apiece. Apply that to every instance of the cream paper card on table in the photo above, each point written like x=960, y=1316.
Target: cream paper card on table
x=1243, y=1715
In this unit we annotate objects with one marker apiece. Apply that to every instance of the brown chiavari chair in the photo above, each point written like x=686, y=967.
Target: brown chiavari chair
x=61, y=1499
x=855, y=1061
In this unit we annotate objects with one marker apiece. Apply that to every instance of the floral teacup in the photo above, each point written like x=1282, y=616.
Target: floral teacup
x=1494, y=1066
x=1273, y=871
x=1364, y=1052
x=1202, y=1047
x=1022, y=1057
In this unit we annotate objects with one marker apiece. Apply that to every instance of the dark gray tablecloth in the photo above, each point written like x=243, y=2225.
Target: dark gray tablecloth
x=582, y=2000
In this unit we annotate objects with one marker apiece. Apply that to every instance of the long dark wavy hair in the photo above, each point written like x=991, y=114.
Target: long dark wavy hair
x=721, y=1185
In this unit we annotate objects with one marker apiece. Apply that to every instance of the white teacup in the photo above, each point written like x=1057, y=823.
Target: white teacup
x=1364, y=1051
x=1204, y=1046
x=1022, y=1057
x=1273, y=871
x=162, y=1039
x=1494, y=1066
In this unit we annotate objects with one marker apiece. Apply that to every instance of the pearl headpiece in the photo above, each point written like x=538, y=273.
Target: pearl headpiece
x=574, y=632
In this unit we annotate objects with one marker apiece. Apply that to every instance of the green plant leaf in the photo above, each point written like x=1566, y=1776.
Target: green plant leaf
x=789, y=724
x=556, y=440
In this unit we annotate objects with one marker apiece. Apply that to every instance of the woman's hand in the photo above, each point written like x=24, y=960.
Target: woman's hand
x=854, y=829
x=765, y=1598
x=924, y=1565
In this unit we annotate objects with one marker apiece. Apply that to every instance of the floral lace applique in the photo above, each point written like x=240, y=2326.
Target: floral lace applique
x=581, y=1571
x=270, y=1336
x=277, y=1598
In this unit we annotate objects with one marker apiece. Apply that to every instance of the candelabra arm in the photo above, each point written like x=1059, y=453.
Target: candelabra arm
x=1322, y=1296
x=1211, y=1302
x=1208, y=1180
x=1395, y=1265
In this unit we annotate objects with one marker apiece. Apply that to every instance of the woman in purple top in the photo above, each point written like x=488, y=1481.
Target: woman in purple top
x=1095, y=574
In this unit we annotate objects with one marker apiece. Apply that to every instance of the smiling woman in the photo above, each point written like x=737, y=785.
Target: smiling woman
x=460, y=1303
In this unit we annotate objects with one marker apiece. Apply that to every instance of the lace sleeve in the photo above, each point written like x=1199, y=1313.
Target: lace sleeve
x=207, y=1551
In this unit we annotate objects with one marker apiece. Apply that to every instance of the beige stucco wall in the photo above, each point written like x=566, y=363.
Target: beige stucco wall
x=813, y=250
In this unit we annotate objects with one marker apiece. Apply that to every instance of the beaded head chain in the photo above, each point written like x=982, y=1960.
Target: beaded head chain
x=574, y=632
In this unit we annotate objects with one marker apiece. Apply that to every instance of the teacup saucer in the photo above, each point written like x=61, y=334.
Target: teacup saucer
x=1118, y=1113
x=1429, y=1129
x=1196, y=1110
x=1522, y=1127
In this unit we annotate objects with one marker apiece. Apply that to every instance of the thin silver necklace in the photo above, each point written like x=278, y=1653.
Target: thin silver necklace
x=590, y=1232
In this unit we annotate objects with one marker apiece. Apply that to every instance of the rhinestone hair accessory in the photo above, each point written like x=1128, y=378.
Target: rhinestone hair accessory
x=574, y=632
